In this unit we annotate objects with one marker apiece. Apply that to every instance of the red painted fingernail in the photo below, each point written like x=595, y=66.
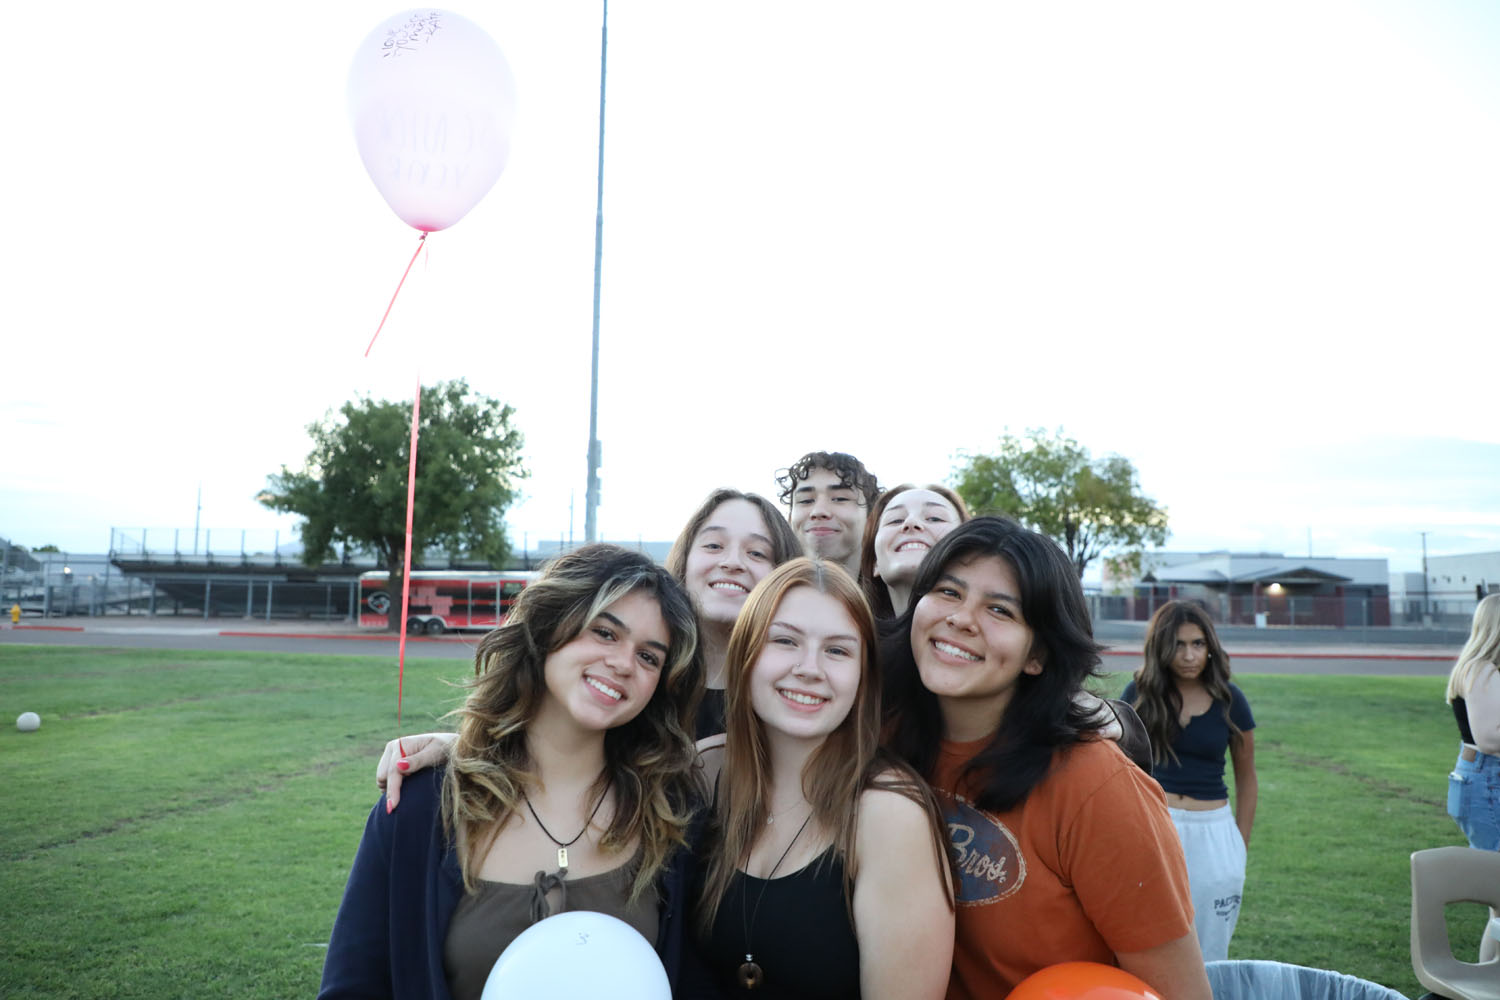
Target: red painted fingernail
x=389, y=805
x=403, y=765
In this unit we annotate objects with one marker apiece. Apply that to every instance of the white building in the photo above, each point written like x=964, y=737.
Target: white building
x=1453, y=585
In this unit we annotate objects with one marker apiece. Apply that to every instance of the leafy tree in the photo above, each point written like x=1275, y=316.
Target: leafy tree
x=46, y=548
x=1050, y=483
x=352, y=487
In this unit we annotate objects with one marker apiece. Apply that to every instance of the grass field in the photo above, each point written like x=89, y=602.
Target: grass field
x=182, y=824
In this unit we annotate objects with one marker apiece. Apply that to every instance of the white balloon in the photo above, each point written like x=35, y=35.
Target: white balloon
x=28, y=722
x=432, y=102
x=579, y=954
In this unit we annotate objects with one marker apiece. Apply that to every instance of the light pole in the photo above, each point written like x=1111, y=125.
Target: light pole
x=591, y=497
x=1424, y=577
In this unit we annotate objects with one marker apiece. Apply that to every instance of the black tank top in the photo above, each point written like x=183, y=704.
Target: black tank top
x=711, y=713
x=1461, y=713
x=801, y=935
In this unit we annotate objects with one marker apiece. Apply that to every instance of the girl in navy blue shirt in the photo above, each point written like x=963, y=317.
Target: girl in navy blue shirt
x=1195, y=716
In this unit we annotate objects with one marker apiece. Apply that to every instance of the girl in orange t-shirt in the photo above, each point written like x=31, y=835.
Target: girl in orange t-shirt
x=1064, y=850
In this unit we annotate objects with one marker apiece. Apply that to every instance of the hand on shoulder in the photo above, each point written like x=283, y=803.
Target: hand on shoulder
x=407, y=755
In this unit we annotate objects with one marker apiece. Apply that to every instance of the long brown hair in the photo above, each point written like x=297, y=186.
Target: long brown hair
x=875, y=589
x=784, y=543
x=848, y=761
x=650, y=761
x=1157, y=700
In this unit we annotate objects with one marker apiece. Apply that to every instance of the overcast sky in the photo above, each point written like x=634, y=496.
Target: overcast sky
x=1252, y=247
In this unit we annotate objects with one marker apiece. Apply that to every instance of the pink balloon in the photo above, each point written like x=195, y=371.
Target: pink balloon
x=432, y=101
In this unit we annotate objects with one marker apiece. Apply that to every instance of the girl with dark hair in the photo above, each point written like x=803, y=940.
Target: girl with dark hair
x=1194, y=715
x=1063, y=848
x=904, y=524
x=825, y=872
x=571, y=786
x=728, y=546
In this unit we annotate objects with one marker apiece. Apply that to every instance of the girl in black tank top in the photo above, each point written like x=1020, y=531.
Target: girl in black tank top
x=825, y=871
x=802, y=936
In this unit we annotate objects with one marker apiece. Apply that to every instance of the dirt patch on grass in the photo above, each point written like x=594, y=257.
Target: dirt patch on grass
x=1385, y=789
x=270, y=783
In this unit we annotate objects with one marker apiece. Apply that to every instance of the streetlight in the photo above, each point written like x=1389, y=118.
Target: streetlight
x=591, y=495
x=1424, y=577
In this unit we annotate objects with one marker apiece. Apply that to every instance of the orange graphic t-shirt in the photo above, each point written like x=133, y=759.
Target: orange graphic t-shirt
x=1087, y=866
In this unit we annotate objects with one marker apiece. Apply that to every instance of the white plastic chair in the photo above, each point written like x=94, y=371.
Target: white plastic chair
x=1443, y=875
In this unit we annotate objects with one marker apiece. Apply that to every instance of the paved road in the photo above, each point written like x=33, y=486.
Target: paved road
x=339, y=638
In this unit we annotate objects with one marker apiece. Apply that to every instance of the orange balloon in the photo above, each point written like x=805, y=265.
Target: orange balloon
x=1082, y=981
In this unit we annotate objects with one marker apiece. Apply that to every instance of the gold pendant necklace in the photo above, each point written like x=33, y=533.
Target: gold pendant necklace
x=751, y=975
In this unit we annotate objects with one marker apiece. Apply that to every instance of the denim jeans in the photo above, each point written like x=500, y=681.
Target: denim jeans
x=1474, y=800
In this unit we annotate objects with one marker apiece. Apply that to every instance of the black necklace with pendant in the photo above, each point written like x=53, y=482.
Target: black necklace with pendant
x=562, y=848
x=751, y=975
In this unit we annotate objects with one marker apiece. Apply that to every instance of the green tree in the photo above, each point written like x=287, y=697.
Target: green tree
x=1049, y=482
x=352, y=486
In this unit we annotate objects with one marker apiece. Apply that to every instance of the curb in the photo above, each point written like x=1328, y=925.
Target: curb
x=382, y=636
x=1311, y=656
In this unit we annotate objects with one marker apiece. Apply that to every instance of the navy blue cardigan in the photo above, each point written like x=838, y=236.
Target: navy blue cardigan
x=405, y=884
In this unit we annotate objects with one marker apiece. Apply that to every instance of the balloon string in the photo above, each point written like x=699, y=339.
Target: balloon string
x=411, y=493
x=421, y=242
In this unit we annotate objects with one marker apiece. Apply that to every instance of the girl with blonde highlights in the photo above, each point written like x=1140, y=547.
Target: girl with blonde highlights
x=571, y=785
x=817, y=834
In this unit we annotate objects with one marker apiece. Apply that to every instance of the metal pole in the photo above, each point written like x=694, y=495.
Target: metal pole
x=591, y=498
x=1424, y=577
x=268, y=600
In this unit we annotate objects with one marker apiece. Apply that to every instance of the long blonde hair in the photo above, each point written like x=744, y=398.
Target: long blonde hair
x=847, y=762
x=1482, y=649
x=650, y=761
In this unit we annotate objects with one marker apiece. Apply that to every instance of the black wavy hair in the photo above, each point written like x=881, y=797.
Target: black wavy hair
x=1043, y=714
x=851, y=472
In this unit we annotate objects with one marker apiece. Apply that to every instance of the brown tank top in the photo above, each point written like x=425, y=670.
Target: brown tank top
x=489, y=919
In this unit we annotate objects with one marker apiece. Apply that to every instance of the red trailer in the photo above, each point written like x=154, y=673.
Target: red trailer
x=442, y=599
